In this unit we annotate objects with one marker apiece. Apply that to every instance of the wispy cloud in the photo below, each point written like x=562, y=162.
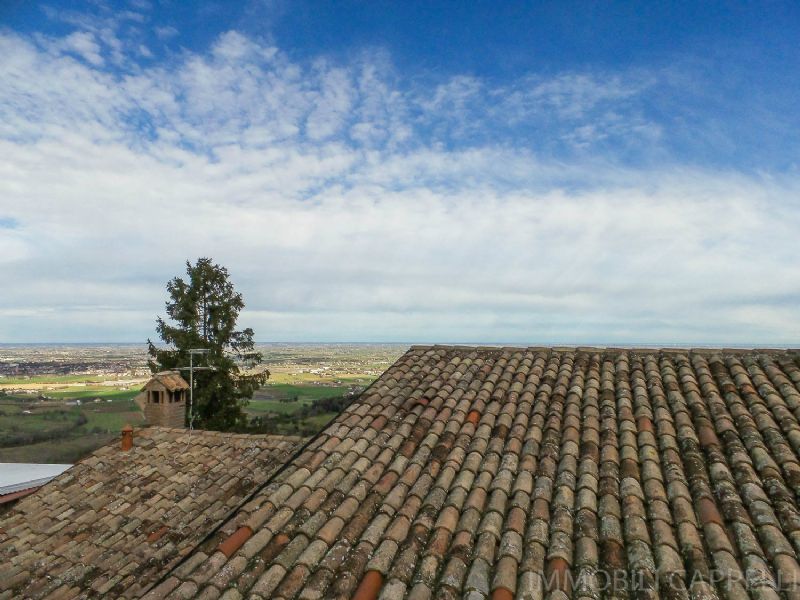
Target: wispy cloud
x=82, y=44
x=350, y=202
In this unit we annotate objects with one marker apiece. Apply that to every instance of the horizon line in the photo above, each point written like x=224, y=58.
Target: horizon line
x=576, y=344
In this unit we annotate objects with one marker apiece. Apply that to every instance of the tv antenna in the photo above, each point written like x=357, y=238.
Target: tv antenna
x=191, y=368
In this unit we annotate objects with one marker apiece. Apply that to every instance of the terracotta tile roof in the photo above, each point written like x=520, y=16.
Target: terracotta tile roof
x=113, y=523
x=531, y=473
x=170, y=380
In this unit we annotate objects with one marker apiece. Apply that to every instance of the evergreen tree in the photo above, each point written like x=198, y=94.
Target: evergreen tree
x=202, y=312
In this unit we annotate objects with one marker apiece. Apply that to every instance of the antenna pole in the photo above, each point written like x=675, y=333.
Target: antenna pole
x=191, y=368
x=191, y=390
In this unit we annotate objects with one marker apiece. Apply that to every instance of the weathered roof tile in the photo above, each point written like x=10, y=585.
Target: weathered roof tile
x=129, y=517
x=534, y=473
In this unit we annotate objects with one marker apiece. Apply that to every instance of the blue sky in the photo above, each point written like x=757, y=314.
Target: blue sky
x=417, y=171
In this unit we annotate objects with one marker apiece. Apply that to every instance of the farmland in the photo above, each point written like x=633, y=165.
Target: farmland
x=32, y=431
x=57, y=405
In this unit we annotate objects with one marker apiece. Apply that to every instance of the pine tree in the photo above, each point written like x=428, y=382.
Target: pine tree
x=202, y=312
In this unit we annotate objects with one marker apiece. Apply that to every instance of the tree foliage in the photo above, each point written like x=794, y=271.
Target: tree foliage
x=202, y=311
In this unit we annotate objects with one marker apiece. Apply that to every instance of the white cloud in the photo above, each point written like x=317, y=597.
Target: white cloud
x=166, y=32
x=346, y=208
x=84, y=45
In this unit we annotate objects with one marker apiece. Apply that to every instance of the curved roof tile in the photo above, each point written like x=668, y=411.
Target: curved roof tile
x=535, y=473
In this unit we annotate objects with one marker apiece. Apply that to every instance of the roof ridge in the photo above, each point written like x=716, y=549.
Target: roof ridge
x=580, y=348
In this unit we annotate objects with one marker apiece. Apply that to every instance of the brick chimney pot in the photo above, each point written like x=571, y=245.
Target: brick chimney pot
x=127, y=438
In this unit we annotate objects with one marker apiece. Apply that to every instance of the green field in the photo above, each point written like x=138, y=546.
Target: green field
x=286, y=399
x=34, y=431
x=289, y=408
x=51, y=379
x=302, y=392
x=66, y=451
x=308, y=386
x=279, y=378
x=51, y=430
x=106, y=393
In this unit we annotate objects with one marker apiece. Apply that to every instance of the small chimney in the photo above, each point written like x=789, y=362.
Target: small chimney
x=163, y=400
x=127, y=438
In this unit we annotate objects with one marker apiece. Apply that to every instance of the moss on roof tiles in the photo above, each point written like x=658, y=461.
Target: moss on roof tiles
x=111, y=525
x=478, y=472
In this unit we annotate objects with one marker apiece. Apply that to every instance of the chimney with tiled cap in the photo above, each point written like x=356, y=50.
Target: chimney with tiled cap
x=163, y=400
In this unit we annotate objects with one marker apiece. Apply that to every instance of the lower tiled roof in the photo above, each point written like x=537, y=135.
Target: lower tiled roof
x=113, y=523
x=531, y=473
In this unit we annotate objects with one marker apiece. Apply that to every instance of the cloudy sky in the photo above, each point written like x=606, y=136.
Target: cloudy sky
x=413, y=171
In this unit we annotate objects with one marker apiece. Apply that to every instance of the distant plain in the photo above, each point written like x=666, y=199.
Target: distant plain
x=60, y=402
